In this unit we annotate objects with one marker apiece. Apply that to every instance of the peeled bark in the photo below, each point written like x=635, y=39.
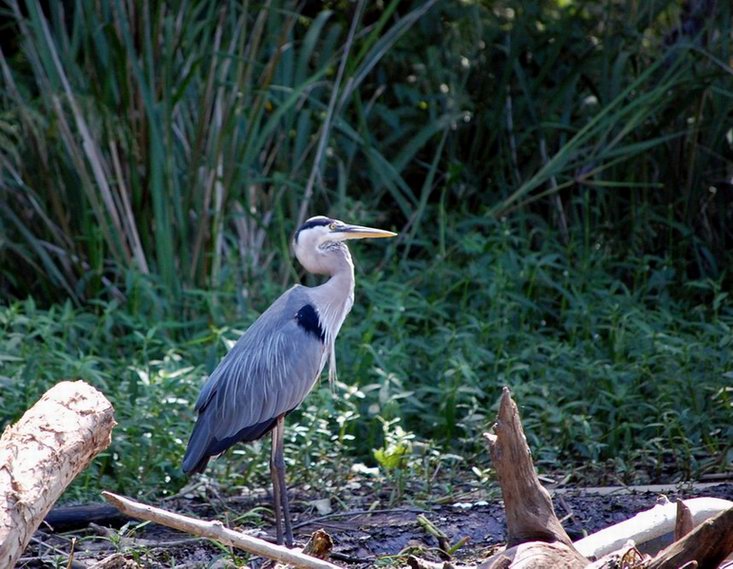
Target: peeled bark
x=42, y=453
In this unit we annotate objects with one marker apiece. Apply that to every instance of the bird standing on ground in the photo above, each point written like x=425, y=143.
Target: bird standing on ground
x=276, y=362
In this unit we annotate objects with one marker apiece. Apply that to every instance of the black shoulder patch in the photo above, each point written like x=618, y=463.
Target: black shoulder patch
x=312, y=222
x=307, y=319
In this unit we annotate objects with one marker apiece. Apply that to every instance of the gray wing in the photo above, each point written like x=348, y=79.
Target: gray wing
x=268, y=372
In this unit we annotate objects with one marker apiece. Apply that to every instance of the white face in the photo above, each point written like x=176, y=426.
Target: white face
x=325, y=229
x=311, y=244
x=312, y=238
x=315, y=232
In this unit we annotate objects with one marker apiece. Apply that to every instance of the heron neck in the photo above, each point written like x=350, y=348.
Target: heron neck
x=334, y=300
x=336, y=296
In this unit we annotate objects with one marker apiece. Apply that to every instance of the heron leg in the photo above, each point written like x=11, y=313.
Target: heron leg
x=276, y=501
x=279, y=488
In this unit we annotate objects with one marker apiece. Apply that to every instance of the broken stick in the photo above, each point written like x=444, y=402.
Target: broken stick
x=529, y=512
x=216, y=530
x=42, y=453
x=535, y=535
x=684, y=523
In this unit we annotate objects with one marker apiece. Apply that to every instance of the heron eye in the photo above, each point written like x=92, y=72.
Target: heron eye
x=332, y=226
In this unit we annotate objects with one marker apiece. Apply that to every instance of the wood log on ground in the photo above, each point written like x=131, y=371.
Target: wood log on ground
x=537, y=540
x=648, y=525
x=42, y=453
x=708, y=544
x=536, y=555
x=530, y=515
x=69, y=518
x=216, y=530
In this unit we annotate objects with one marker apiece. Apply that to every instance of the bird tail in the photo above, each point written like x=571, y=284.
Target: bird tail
x=197, y=457
x=204, y=443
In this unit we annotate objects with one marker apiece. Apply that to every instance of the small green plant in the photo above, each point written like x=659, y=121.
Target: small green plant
x=397, y=447
x=395, y=455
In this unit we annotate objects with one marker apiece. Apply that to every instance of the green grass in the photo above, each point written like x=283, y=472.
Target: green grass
x=185, y=145
x=174, y=144
x=558, y=171
x=615, y=384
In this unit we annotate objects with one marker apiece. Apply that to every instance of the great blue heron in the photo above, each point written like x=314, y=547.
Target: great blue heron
x=276, y=362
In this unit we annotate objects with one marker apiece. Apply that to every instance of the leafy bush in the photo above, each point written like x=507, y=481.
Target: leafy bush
x=184, y=144
x=618, y=384
x=559, y=172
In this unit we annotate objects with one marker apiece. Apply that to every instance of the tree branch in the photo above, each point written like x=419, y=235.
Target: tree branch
x=216, y=530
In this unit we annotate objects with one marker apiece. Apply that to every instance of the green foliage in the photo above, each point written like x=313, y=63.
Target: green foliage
x=603, y=370
x=171, y=142
x=393, y=455
x=618, y=383
x=610, y=117
x=150, y=381
x=559, y=173
x=183, y=144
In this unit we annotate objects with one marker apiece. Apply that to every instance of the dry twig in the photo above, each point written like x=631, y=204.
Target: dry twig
x=216, y=530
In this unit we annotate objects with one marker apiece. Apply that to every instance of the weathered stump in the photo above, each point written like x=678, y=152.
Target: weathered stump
x=42, y=453
x=535, y=537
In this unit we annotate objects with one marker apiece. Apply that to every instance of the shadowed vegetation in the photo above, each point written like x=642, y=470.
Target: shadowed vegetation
x=560, y=174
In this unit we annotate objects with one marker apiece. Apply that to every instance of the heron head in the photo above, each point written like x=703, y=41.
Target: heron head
x=320, y=234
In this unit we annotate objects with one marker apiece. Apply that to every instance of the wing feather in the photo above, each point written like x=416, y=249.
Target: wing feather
x=268, y=372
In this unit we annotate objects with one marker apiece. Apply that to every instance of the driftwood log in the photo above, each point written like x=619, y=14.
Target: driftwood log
x=42, y=453
x=651, y=525
x=216, y=530
x=708, y=545
x=537, y=540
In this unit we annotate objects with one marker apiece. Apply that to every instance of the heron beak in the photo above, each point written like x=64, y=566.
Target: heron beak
x=344, y=232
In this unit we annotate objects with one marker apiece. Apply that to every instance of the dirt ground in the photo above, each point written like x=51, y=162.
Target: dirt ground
x=381, y=537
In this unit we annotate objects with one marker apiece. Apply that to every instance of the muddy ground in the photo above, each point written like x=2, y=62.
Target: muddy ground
x=382, y=537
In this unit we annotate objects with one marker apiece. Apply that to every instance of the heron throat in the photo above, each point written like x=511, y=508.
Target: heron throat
x=334, y=300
